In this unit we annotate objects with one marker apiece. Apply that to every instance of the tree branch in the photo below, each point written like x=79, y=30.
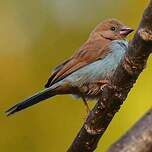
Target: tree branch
x=113, y=95
x=138, y=138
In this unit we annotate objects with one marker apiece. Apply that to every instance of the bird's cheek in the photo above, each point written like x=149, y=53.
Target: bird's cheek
x=107, y=34
x=118, y=36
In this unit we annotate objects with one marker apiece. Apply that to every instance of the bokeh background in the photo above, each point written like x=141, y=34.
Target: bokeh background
x=37, y=35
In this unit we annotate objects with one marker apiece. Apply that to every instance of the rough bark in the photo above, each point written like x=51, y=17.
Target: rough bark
x=113, y=95
x=138, y=138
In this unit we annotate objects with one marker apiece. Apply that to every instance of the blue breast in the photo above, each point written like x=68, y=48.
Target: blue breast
x=100, y=69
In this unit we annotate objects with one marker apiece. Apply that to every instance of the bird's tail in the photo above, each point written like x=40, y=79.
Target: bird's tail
x=36, y=98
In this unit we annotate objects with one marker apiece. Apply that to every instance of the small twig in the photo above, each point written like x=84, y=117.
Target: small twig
x=113, y=96
x=138, y=138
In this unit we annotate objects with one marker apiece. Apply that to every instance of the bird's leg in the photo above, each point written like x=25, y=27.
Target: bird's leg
x=86, y=104
x=81, y=93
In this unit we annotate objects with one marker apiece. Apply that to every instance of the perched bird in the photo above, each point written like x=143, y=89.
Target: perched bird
x=86, y=72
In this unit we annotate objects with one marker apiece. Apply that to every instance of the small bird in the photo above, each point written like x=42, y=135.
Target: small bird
x=91, y=67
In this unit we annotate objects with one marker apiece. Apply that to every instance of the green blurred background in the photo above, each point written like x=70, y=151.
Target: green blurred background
x=37, y=35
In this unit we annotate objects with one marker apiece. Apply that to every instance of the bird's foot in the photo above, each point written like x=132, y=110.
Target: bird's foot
x=103, y=84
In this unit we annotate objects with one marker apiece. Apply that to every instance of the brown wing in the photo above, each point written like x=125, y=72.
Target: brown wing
x=55, y=71
x=87, y=54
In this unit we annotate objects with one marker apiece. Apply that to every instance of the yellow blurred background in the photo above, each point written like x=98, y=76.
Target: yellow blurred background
x=37, y=35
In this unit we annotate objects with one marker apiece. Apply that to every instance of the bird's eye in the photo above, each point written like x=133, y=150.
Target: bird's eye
x=113, y=28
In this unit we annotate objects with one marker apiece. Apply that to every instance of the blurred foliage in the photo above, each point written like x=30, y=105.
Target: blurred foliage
x=34, y=37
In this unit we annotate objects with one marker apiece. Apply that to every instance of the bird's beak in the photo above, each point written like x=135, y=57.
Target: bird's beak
x=125, y=30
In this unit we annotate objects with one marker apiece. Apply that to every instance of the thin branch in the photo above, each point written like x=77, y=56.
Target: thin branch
x=114, y=95
x=138, y=138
